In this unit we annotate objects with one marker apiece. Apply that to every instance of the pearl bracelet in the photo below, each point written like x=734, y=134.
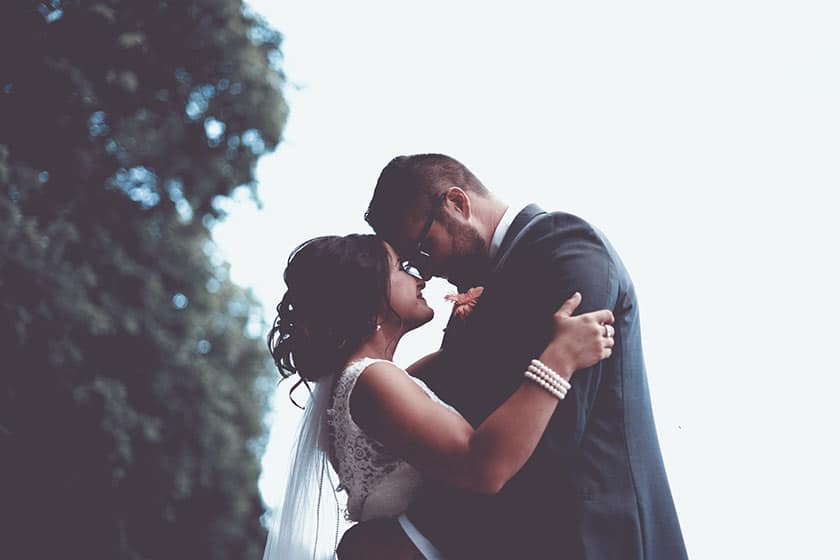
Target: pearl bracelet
x=549, y=373
x=554, y=381
x=545, y=385
x=538, y=378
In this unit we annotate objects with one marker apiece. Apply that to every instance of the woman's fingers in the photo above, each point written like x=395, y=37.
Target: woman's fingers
x=603, y=316
x=570, y=305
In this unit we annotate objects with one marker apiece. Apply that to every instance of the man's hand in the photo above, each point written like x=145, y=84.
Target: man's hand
x=378, y=539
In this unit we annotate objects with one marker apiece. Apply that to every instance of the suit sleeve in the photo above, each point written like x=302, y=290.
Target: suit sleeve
x=563, y=255
x=571, y=257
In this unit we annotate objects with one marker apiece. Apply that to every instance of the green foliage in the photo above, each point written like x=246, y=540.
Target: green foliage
x=130, y=401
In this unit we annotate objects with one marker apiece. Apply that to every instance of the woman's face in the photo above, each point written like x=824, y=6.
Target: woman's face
x=406, y=296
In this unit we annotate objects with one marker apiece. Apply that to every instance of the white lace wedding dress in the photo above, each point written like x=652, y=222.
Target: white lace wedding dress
x=378, y=484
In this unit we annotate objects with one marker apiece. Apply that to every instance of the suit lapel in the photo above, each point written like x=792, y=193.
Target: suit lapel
x=455, y=327
x=514, y=234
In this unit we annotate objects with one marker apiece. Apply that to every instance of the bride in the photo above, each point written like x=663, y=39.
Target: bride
x=349, y=301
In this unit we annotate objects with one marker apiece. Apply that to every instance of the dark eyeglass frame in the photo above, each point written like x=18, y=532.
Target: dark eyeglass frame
x=411, y=264
x=407, y=267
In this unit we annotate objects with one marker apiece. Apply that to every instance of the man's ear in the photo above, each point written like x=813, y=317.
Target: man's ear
x=459, y=201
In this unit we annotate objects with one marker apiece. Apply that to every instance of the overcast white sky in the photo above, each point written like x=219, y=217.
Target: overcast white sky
x=702, y=138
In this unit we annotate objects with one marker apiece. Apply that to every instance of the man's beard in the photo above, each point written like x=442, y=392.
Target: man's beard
x=469, y=261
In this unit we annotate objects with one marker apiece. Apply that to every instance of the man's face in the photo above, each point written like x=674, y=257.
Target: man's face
x=444, y=244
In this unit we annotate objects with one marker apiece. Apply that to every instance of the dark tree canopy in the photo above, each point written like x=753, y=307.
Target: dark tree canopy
x=133, y=375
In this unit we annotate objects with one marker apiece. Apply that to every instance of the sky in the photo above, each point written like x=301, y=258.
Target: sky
x=702, y=138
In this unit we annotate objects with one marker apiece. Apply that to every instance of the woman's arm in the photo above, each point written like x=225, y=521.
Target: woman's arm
x=417, y=368
x=393, y=409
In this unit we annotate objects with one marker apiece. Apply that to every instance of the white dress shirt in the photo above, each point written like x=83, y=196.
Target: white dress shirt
x=501, y=231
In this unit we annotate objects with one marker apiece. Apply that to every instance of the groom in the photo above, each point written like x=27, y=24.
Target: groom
x=596, y=486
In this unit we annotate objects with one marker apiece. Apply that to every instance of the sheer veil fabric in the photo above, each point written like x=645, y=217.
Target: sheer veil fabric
x=305, y=528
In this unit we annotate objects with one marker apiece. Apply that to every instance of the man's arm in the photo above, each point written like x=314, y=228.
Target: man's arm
x=578, y=261
x=563, y=255
x=377, y=539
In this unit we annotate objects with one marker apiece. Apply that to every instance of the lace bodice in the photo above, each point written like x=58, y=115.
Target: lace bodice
x=378, y=484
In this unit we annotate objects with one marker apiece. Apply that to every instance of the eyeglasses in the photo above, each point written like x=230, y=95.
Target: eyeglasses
x=415, y=263
x=411, y=270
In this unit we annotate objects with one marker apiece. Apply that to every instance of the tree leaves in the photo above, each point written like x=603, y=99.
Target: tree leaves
x=129, y=400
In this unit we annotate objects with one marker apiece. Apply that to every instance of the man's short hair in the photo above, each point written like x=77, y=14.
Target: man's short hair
x=411, y=184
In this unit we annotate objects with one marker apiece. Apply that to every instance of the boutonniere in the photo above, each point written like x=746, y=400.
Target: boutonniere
x=465, y=303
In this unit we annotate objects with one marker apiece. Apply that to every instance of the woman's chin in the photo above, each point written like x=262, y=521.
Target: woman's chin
x=422, y=318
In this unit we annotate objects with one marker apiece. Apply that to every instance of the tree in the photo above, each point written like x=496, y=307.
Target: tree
x=130, y=385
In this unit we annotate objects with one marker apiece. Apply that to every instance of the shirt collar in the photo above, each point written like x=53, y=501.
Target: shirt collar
x=501, y=231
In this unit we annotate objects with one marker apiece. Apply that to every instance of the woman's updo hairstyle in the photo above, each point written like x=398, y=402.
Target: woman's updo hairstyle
x=337, y=288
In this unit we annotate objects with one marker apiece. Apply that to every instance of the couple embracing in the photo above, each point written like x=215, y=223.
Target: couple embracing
x=529, y=434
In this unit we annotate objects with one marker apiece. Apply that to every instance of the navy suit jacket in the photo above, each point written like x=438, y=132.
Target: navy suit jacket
x=595, y=487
